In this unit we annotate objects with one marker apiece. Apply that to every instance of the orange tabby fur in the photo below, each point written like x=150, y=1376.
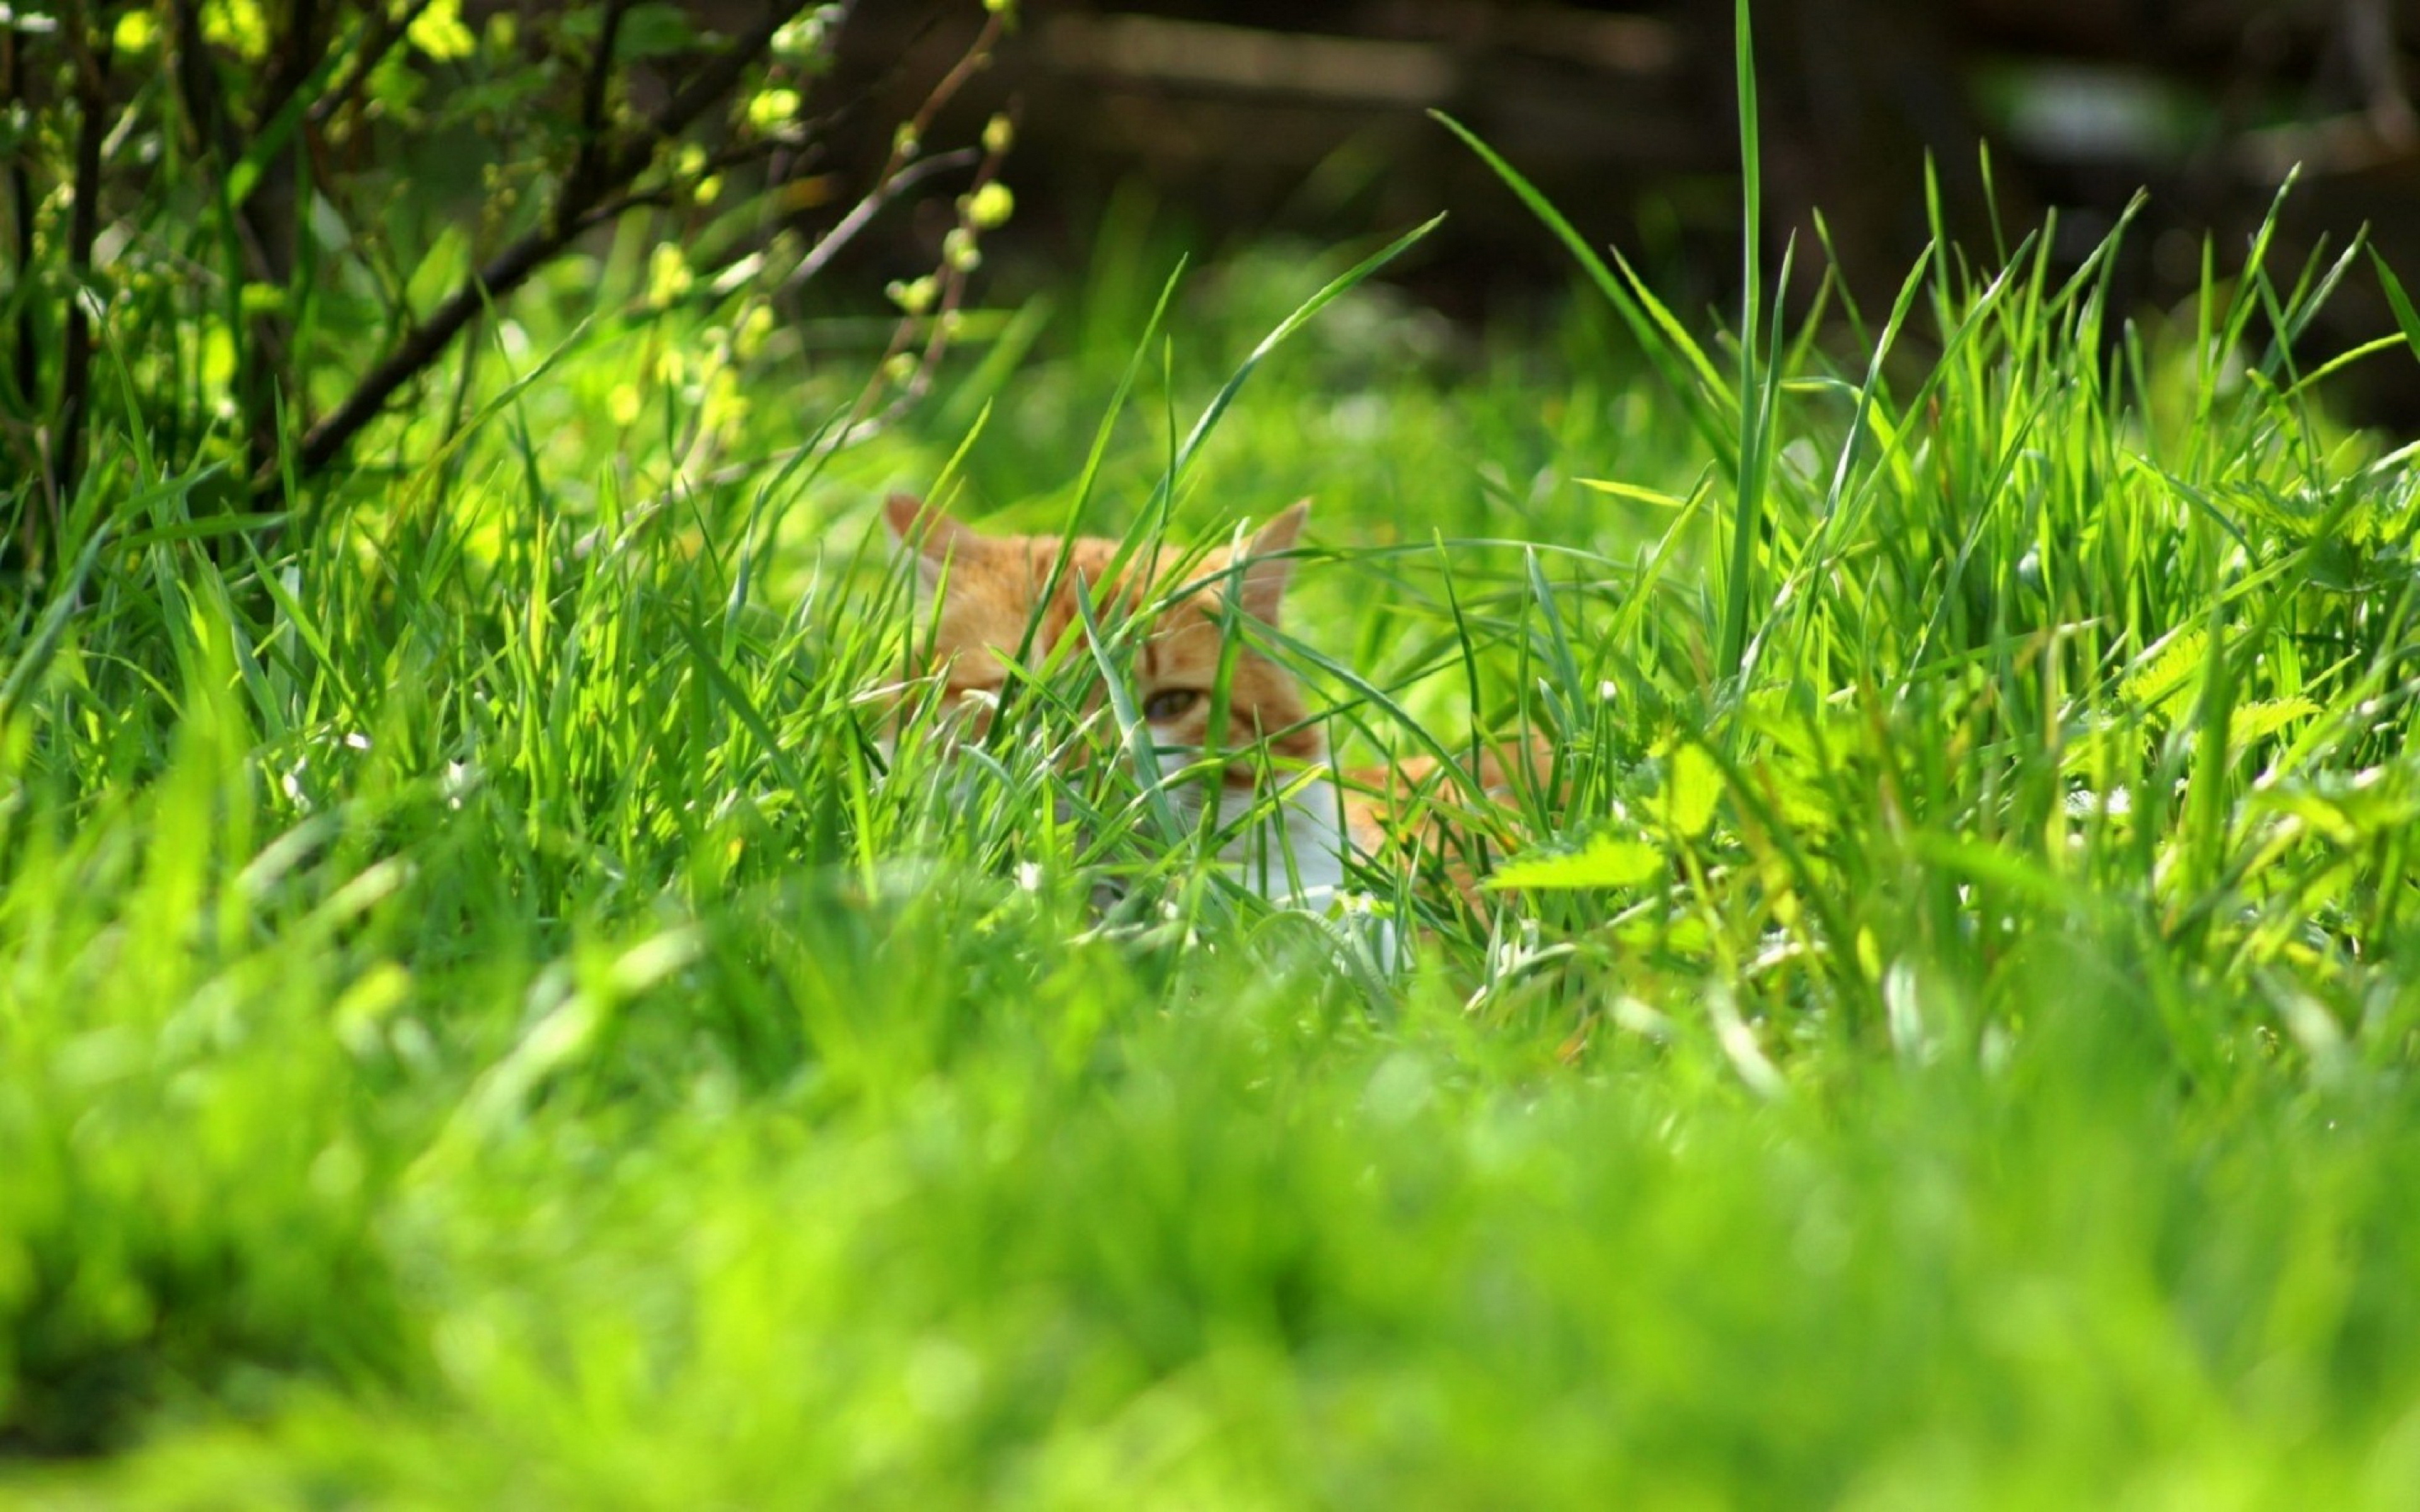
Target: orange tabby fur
x=993, y=583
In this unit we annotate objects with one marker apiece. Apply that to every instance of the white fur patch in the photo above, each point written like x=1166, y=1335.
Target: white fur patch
x=1290, y=851
x=1293, y=852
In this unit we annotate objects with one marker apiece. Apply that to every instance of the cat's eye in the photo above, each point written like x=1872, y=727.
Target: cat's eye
x=1170, y=703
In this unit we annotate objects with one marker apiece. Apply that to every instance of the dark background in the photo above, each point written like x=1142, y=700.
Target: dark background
x=1307, y=117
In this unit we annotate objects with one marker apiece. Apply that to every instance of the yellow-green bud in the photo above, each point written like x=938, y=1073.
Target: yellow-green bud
x=915, y=296
x=771, y=108
x=990, y=206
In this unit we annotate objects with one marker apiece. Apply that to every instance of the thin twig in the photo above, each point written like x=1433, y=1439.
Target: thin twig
x=26, y=358
x=953, y=296
x=25, y=361
x=900, y=171
x=976, y=57
x=909, y=141
x=864, y=421
x=862, y=214
x=93, y=56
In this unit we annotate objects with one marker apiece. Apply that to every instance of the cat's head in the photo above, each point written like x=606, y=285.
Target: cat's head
x=992, y=587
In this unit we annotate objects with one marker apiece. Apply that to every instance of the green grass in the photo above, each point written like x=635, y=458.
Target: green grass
x=479, y=1025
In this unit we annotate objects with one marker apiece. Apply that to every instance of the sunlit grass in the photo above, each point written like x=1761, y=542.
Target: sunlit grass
x=483, y=1021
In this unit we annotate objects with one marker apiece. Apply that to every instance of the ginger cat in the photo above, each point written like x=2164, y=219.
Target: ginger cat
x=1293, y=851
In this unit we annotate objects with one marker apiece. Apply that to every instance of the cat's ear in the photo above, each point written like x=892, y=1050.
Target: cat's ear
x=926, y=532
x=1267, y=568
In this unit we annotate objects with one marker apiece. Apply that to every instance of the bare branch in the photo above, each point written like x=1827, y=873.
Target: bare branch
x=972, y=62
x=862, y=214
x=954, y=290
x=903, y=170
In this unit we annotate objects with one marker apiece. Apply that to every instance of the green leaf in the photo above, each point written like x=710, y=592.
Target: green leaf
x=1609, y=861
x=1634, y=492
x=2167, y=678
x=2260, y=720
x=448, y=259
x=2405, y=317
x=1692, y=785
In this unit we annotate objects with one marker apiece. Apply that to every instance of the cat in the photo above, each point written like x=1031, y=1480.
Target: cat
x=1295, y=823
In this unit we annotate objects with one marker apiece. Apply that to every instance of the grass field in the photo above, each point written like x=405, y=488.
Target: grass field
x=480, y=1027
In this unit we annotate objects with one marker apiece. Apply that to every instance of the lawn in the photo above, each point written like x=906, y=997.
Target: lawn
x=481, y=1023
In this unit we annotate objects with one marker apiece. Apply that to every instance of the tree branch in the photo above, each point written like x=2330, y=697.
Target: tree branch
x=511, y=268
x=585, y=162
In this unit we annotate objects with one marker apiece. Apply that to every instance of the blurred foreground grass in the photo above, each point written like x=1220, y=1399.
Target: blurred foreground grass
x=480, y=1025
